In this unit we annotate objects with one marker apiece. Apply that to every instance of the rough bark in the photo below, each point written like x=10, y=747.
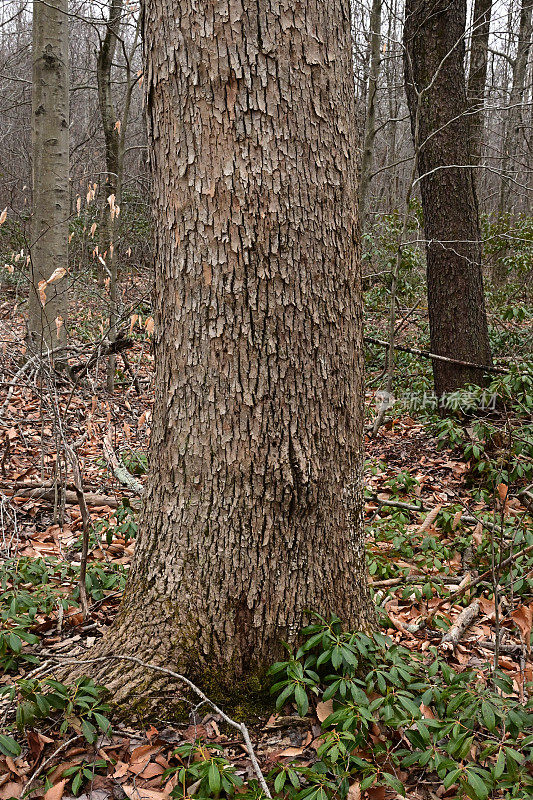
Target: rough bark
x=50, y=138
x=435, y=84
x=252, y=515
x=477, y=75
x=370, y=119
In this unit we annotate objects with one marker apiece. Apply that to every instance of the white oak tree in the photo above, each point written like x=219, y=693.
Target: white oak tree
x=253, y=511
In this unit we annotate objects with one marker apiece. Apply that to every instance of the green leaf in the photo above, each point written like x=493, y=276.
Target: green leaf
x=102, y=722
x=500, y=765
x=279, y=783
x=488, y=715
x=88, y=730
x=286, y=693
x=76, y=783
x=15, y=643
x=9, y=747
x=213, y=777
x=479, y=786
x=300, y=695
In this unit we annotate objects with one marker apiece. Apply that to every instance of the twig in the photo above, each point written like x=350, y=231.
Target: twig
x=86, y=524
x=43, y=766
x=426, y=354
x=240, y=726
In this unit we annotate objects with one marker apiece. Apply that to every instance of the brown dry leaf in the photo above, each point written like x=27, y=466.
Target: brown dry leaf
x=477, y=536
x=457, y=518
x=138, y=793
x=426, y=711
x=377, y=792
x=149, y=326
x=324, y=709
x=487, y=606
x=430, y=518
x=56, y=792
x=121, y=769
x=56, y=275
x=354, y=792
x=502, y=492
x=10, y=789
x=523, y=618
x=151, y=771
x=290, y=752
x=41, y=287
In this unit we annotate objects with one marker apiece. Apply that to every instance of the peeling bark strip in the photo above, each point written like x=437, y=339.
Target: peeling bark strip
x=253, y=508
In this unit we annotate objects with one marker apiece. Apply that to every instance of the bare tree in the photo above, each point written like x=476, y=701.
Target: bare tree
x=435, y=84
x=515, y=149
x=370, y=119
x=47, y=315
x=477, y=76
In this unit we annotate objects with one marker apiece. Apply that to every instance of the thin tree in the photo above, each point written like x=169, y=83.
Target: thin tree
x=515, y=143
x=370, y=118
x=477, y=75
x=114, y=127
x=252, y=515
x=47, y=311
x=435, y=84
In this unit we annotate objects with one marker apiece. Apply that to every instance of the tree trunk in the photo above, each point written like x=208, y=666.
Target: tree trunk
x=515, y=146
x=477, y=76
x=114, y=161
x=435, y=86
x=253, y=511
x=47, y=311
x=370, y=120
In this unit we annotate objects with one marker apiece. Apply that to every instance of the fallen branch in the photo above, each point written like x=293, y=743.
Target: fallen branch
x=71, y=497
x=119, y=470
x=463, y=621
x=426, y=354
x=240, y=726
x=468, y=518
x=470, y=585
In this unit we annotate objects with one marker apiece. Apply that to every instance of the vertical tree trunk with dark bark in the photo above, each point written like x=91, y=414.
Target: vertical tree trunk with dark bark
x=477, y=75
x=435, y=84
x=252, y=514
x=47, y=312
x=370, y=119
x=515, y=144
x=114, y=159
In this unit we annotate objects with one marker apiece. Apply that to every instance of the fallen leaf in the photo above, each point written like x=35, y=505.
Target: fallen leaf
x=324, y=709
x=10, y=789
x=354, y=792
x=523, y=618
x=56, y=792
x=138, y=793
x=291, y=752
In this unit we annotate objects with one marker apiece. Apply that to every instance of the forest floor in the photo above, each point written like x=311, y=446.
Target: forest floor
x=431, y=533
